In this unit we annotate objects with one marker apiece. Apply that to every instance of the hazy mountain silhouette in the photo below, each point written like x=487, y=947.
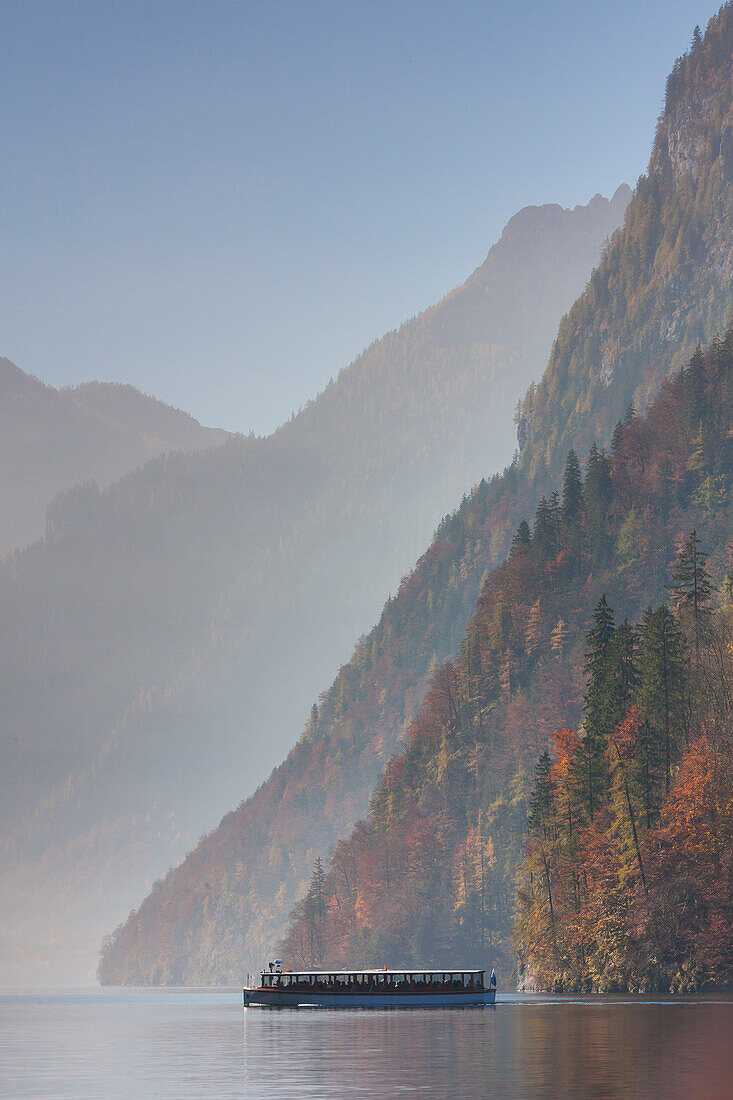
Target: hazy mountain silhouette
x=164, y=642
x=51, y=440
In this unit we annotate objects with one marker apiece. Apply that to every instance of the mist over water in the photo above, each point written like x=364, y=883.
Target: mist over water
x=201, y=1043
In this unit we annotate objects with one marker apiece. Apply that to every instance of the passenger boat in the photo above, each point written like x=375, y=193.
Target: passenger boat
x=370, y=989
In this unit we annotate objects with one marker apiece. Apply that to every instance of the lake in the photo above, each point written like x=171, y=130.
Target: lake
x=145, y=1044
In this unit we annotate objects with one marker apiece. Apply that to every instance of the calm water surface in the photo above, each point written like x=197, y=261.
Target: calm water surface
x=145, y=1044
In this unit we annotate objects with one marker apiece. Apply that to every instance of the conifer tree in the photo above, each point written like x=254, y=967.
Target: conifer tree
x=600, y=700
x=617, y=438
x=623, y=670
x=572, y=488
x=597, y=495
x=522, y=539
x=691, y=588
x=545, y=534
x=314, y=912
x=540, y=808
x=542, y=829
x=661, y=701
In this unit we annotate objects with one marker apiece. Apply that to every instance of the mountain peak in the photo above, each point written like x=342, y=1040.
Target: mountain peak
x=552, y=216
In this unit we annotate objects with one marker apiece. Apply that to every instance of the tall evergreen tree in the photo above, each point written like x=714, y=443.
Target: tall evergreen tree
x=597, y=495
x=314, y=912
x=661, y=700
x=572, y=488
x=600, y=701
x=522, y=539
x=691, y=588
x=545, y=534
x=624, y=672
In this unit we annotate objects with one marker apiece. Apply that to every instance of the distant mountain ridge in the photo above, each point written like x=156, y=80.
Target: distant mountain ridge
x=51, y=440
x=662, y=286
x=122, y=404
x=165, y=641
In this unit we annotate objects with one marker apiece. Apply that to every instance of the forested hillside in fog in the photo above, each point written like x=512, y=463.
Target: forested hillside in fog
x=164, y=642
x=663, y=285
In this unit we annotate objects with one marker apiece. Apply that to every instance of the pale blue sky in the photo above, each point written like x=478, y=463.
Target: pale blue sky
x=223, y=203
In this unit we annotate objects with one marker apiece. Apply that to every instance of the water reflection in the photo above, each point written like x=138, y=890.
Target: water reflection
x=521, y=1048
x=156, y=1045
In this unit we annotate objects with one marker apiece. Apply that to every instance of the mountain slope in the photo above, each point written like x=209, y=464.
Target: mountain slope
x=166, y=639
x=228, y=902
x=432, y=872
x=51, y=440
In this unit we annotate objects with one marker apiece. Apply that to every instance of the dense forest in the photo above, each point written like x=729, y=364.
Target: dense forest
x=627, y=883
x=622, y=828
x=228, y=901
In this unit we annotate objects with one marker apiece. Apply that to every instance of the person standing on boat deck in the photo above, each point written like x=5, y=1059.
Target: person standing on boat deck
x=492, y=979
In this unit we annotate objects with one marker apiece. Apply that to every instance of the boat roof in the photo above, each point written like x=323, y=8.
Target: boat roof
x=383, y=970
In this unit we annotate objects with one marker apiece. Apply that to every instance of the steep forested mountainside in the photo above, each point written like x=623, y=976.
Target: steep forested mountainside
x=228, y=901
x=628, y=879
x=666, y=283
x=51, y=440
x=163, y=644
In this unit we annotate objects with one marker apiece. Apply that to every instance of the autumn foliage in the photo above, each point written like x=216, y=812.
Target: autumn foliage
x=565, y=791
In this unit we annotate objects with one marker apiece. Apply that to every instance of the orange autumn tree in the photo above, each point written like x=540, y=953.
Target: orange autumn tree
x=693, y=896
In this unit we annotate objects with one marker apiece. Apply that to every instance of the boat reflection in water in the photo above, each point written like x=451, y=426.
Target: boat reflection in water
x=370, y=989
